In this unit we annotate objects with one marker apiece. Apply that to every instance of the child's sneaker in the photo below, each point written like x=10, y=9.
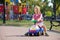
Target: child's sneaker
x=46, y=34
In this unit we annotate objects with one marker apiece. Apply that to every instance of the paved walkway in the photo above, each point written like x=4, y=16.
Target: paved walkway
x=17, y=33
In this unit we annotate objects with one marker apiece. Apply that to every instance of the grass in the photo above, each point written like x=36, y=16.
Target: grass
x=47, y=24
x=17, y=23
x=27, y=23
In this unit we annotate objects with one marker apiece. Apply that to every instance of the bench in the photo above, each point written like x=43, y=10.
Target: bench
x=57, y=19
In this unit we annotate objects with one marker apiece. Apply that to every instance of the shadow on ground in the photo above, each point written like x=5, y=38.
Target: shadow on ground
x=54, y=31
x=19, y=36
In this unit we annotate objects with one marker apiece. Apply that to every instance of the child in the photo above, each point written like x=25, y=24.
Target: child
x=38, y=16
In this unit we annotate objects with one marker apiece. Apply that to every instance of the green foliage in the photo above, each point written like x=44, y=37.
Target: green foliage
x=58, y=11
x=48, y=13
x=57, y=7
x=30, y=11
x=44, y=6
x=31, y=3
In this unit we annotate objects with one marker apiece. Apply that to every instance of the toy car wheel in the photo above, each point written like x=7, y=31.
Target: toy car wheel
x=37, y=34
x=26, y=34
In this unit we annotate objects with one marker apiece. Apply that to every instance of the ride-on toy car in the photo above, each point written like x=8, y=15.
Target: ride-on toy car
x=35, y=30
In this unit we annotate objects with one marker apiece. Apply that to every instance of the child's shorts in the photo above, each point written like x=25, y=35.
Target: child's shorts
x=40, y=24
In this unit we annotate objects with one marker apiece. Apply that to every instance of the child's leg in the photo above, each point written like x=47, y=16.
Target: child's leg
x=45, y=30
x=42, y=25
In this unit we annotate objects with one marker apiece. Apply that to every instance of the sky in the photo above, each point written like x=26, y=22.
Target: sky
x=50, y=4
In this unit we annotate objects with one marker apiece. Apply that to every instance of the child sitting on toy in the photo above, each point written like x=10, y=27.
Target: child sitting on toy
x=39, y=18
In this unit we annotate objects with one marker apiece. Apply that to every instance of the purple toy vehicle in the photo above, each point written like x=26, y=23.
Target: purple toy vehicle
x=35, y=30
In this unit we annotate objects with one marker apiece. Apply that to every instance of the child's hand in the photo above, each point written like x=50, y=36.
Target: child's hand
x=39, y=20
x=32, y=19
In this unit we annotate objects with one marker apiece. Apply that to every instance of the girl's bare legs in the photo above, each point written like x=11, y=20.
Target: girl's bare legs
x=45, y=30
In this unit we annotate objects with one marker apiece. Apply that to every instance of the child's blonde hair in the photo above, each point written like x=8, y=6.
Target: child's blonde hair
x=38, y=8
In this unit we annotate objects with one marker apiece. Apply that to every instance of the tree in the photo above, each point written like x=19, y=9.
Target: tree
x=1, y=1
x=57, y=5
x=43, y=5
